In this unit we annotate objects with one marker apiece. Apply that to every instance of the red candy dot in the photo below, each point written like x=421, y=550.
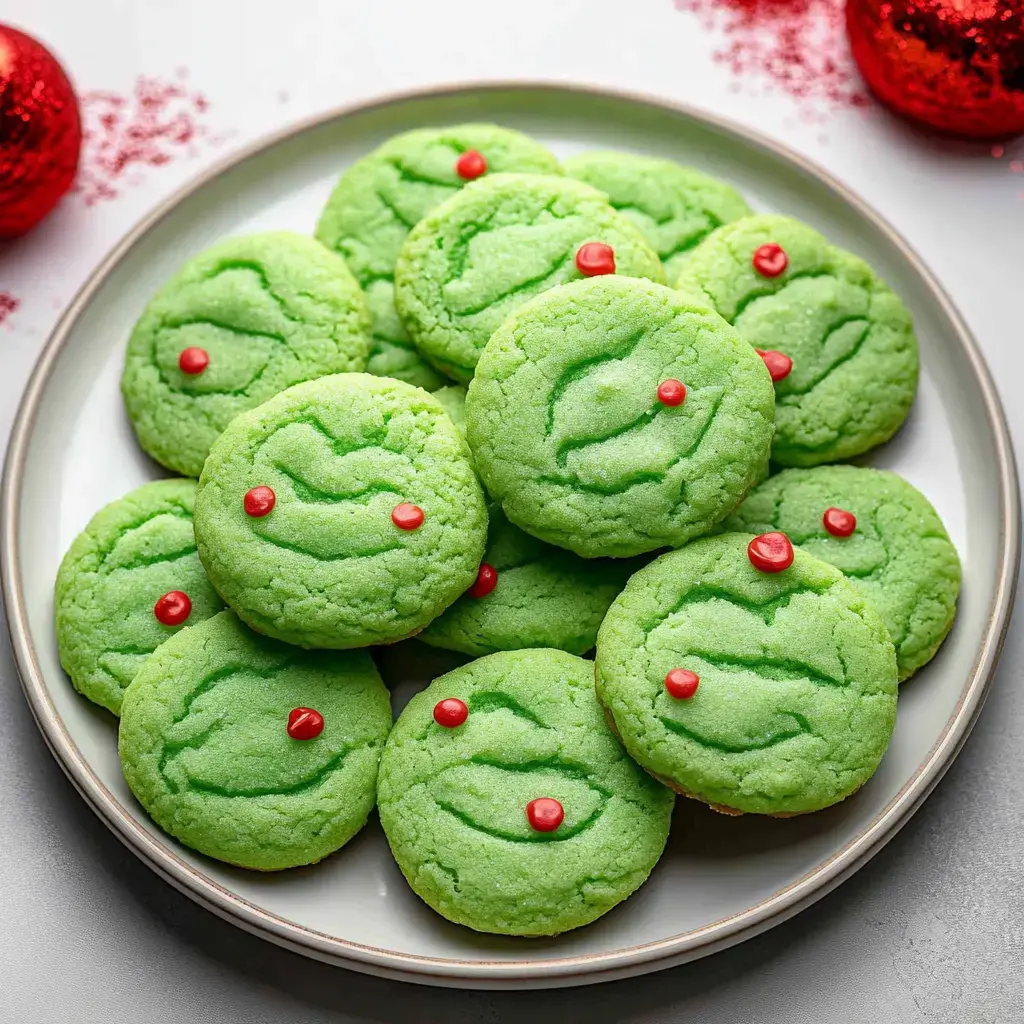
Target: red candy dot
x=407, y=517
x=470, y=165
x=839, y=522
x=681, y=683
x=305, y=724
x=779, y=364
x=671, y=392
x=450, y=712
x=259, y=501
x=595, y=259
x=771, y=552
x=486, y=581
x=770, y=259
x=193, y=360
x=173, y=608
x=545, y=814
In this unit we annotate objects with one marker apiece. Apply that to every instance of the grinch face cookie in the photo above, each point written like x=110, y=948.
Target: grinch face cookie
x=129, y=581
x=529, y=594
x=382, y=197
x=500, y=241
x=615, y=416
x=509, y=805
x=251, y=751
x=237, y=324
x=882, y=533
x=839, y=343
x=343, y=512
x=749, y=675
x=675, y=207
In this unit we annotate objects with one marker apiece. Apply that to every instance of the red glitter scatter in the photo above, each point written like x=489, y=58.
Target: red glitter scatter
x=161, y=121
x=798, y=46
x=8, y=304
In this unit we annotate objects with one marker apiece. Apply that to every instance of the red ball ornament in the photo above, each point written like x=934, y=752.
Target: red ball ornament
x=953, y=65
x=545, y=814
x=40, y=132
x=305, y=723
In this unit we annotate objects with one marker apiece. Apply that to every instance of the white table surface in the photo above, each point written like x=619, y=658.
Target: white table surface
x=932, y=930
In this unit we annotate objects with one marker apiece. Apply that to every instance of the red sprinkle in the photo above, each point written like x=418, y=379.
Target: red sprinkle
x=594, y=259
x=671, y=392
x=545, y=814
x=681, y=683
x=193, y=360
x=839, y=522
x=486, y=581
x=471, y=165
x=450, y=712
x=780, y=366
x=770, y=259
x=259, y=501
x=305, y=723
x=771, y=552
x=173, y=608
x=407, y=517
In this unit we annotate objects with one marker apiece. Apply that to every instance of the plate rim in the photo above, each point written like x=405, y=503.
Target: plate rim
x=584, y=968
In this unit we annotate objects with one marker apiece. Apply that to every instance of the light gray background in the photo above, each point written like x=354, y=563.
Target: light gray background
x=932, y=930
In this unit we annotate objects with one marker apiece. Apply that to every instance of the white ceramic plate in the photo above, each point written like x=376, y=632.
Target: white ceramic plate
x=721, y=879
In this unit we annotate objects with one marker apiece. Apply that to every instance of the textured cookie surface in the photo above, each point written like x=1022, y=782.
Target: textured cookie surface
x=899, y=553
x=544, y=597
x=500, y=241
x=381, y=198
x=570, y=436
x=850, y=337
x=453, y=398
x=132, y=552
x=797, y=694
x=328, y=566
x=675, y=207
x=269, y=311
x=453, y=801
x=205, y=747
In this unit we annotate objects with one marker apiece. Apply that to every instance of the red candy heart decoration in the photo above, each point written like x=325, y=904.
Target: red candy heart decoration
x=305, y=724
x=770, y=259
x=595, y=259
x=839, y=522
x=486, y=581
x=779, y=364
x=771, y=552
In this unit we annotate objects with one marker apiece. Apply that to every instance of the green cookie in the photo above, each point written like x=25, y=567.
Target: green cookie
x=569, y=433
x=544, y=597
x=453, y=398
x=899, y=553
x=454, y=801
x=133, y=551
x=329, y=565
x=481, y=254
x=849, y=336
x=380, y=199
x=268, y=311
x=206, y=747
x=674, y=206
x=796, y=699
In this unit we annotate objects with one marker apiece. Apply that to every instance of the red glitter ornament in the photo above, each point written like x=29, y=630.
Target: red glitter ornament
x=954, y=65
x=594, y=259
x=779, y=364
x=305, y=723
x=40, y=132
x=193, y=360
x=544, y=814
x=471, y=165
x=259, y=501
x=770, y=259
x=839, y=522
x=681, y=683
x=771, y=552
x=173, y=608
x=450, y=713
x=486, y=581
x=407, y=516
x=671, y=392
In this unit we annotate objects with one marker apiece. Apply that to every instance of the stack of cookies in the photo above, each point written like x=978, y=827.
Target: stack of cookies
x=519, y=410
